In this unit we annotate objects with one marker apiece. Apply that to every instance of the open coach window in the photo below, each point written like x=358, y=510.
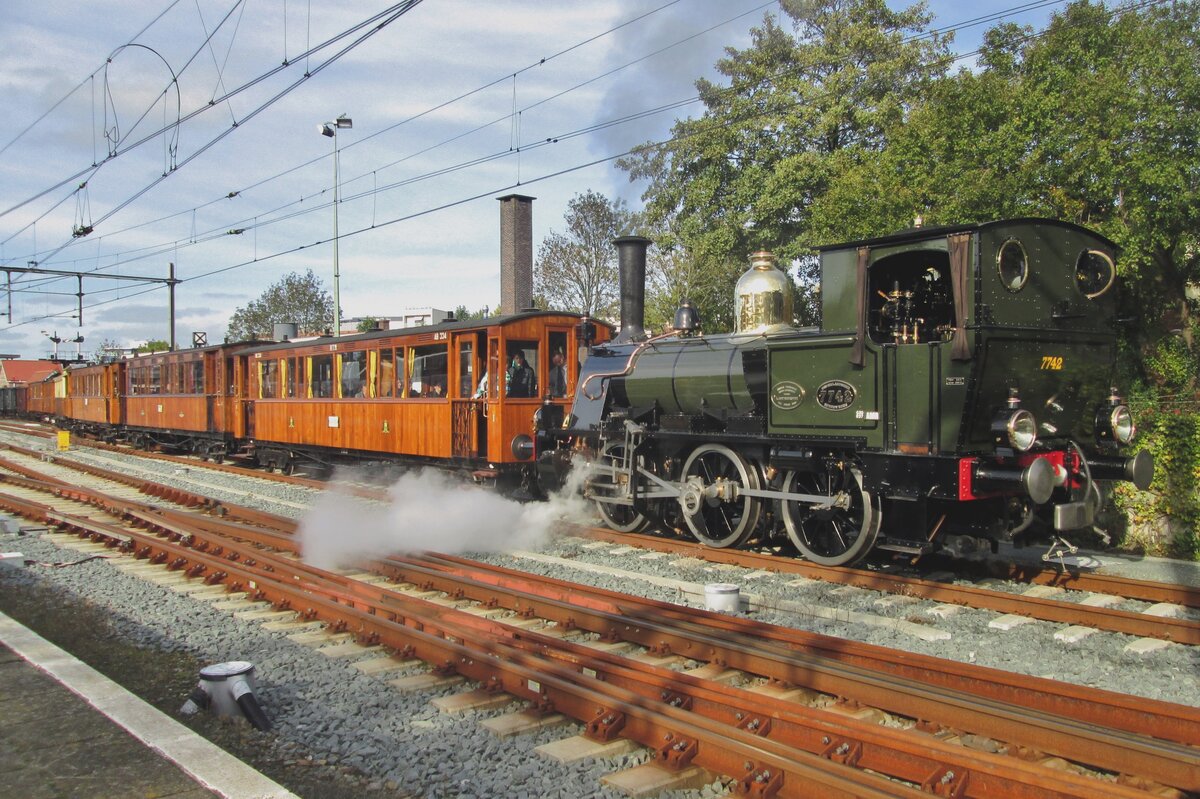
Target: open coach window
x=428, y=378
x=354, y=374
x=321, y=376
x=520, y=377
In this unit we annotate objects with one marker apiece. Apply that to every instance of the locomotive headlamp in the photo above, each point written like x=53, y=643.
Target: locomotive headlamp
x=1121, y=421
x=1017, y=429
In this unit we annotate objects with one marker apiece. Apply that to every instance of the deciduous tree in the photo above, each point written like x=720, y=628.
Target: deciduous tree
x=576, y=270
x=801, y=107
x=297, y=298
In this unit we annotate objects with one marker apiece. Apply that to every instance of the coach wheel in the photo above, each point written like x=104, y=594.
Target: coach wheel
x=836, y=532
x=720, y=516
x=622, y=518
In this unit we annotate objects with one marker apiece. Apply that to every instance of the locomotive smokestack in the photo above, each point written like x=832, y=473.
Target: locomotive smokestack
x=631, y=257
x=516, y=252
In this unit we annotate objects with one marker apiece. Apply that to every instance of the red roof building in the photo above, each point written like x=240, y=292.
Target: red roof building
x=18, y=372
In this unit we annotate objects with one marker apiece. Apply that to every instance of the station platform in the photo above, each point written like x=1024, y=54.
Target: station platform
x=68, y=731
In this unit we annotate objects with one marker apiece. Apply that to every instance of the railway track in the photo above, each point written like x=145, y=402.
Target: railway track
x=511, y=632
x=1073, y=598
x=1080, y=600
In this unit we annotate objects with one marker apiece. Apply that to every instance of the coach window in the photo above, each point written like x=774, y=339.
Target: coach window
x=466, y=369
x=354, y=374
x=428, y=377
x=320, y=376
x=268, y=378
x=155, y=386
x=520, y=377
x=290, y=377
x=386, y=385
x=198, y=386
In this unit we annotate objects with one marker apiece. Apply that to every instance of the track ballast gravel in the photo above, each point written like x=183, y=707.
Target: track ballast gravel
x=338, y=732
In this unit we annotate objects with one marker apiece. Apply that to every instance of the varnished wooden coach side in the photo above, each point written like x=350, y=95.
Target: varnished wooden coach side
x=382, y=393
x=47, y=398
x=91, y=395
x=186, y=395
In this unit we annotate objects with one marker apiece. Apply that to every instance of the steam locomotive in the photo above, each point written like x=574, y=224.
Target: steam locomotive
x=956, y=394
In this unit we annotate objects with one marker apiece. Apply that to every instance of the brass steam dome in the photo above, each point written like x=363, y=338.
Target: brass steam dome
x=764, y=296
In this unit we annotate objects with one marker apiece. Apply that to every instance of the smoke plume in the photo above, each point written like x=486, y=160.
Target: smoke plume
x=429, y=510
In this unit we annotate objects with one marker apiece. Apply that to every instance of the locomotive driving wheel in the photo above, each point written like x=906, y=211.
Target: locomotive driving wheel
x=837, y=532
x=716, y=513
x=610, y=483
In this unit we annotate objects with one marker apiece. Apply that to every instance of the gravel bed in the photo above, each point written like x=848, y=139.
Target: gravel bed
x=338, y=732
x=1171, y=674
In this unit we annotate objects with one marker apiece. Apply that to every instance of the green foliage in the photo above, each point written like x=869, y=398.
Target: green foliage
x=577, y=270
x=153, y=345
x=297, y=298
x=1165, y=519
x=366, y=324
x=462, y=314
x=1096, y=120
x=800, y=110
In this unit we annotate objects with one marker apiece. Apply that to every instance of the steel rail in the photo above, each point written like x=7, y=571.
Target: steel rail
x=1068, y=578
x=1182, y=631
x=955, y=695
x=1071, y=578
x=678, y=737
x=1168, y=720
x=710, y=739
x=626, y=612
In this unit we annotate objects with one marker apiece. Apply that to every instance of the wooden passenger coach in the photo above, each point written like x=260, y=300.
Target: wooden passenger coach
x=439, y=394
x=93, y=401
x=47, y=398
x=188, y=399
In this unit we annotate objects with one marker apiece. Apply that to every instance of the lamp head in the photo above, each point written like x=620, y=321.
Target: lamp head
x=344, y=121
x=326, y=129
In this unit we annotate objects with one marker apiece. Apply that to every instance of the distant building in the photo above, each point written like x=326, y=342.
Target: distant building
x=16, y=372
x=409, y=317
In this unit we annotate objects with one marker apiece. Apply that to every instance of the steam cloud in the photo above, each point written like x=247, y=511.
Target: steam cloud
x=430, y=510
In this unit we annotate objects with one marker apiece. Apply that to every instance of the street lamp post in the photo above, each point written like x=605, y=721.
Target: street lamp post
x=330, y=129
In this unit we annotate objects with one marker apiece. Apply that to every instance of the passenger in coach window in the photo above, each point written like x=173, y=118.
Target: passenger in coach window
x=558, y=374
x=521, y=380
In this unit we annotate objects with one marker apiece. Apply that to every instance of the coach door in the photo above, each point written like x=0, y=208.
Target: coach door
x=468, y=402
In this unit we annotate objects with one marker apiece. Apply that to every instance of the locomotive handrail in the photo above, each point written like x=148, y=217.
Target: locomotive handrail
x=633, y=356
x=628, y=364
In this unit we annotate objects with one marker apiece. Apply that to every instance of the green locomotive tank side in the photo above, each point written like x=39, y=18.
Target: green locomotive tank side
x=692, y=376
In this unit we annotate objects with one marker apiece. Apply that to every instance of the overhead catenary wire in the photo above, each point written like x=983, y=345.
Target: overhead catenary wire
x=592, y=128
x=240, y=225
x=579, y=132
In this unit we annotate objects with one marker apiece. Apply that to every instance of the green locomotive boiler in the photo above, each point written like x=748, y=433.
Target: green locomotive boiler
x=957, y=393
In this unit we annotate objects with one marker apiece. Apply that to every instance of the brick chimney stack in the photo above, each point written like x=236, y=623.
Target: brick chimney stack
x=516, y=252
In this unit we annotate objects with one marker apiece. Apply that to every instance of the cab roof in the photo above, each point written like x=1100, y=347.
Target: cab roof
x=941, y=231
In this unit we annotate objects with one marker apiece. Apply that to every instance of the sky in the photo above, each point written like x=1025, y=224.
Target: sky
x=454, y=103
